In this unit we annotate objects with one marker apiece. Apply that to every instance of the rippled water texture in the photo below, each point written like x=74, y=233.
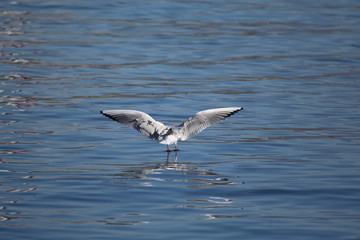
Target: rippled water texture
x=287, y=167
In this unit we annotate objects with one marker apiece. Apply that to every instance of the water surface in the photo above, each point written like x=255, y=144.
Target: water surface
x=287, y=167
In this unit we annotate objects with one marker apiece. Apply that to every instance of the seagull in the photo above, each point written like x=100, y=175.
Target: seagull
x=167, y=135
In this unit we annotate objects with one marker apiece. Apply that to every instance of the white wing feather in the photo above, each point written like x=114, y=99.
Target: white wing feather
x=140, y=121
x=204, y=119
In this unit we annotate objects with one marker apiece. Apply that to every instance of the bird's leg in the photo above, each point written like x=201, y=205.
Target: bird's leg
x=168, y=149
x=176, y=148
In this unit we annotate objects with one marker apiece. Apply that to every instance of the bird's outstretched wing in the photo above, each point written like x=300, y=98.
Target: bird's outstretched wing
x=204, y=119
x=140, y=121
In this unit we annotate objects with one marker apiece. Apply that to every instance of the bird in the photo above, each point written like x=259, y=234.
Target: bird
x=169, y=135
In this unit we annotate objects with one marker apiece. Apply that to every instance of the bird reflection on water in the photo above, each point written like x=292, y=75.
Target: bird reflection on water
x=147, y=180
x=170, y=170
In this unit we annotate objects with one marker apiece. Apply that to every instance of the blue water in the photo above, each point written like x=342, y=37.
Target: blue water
x=286, y=167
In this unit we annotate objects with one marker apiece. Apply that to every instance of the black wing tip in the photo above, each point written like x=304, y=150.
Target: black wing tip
x=235, y=111
x=108, y=115
x=102, y=112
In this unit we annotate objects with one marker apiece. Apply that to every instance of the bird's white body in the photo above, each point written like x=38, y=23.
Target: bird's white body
x=157, y=131
x=170, y=139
